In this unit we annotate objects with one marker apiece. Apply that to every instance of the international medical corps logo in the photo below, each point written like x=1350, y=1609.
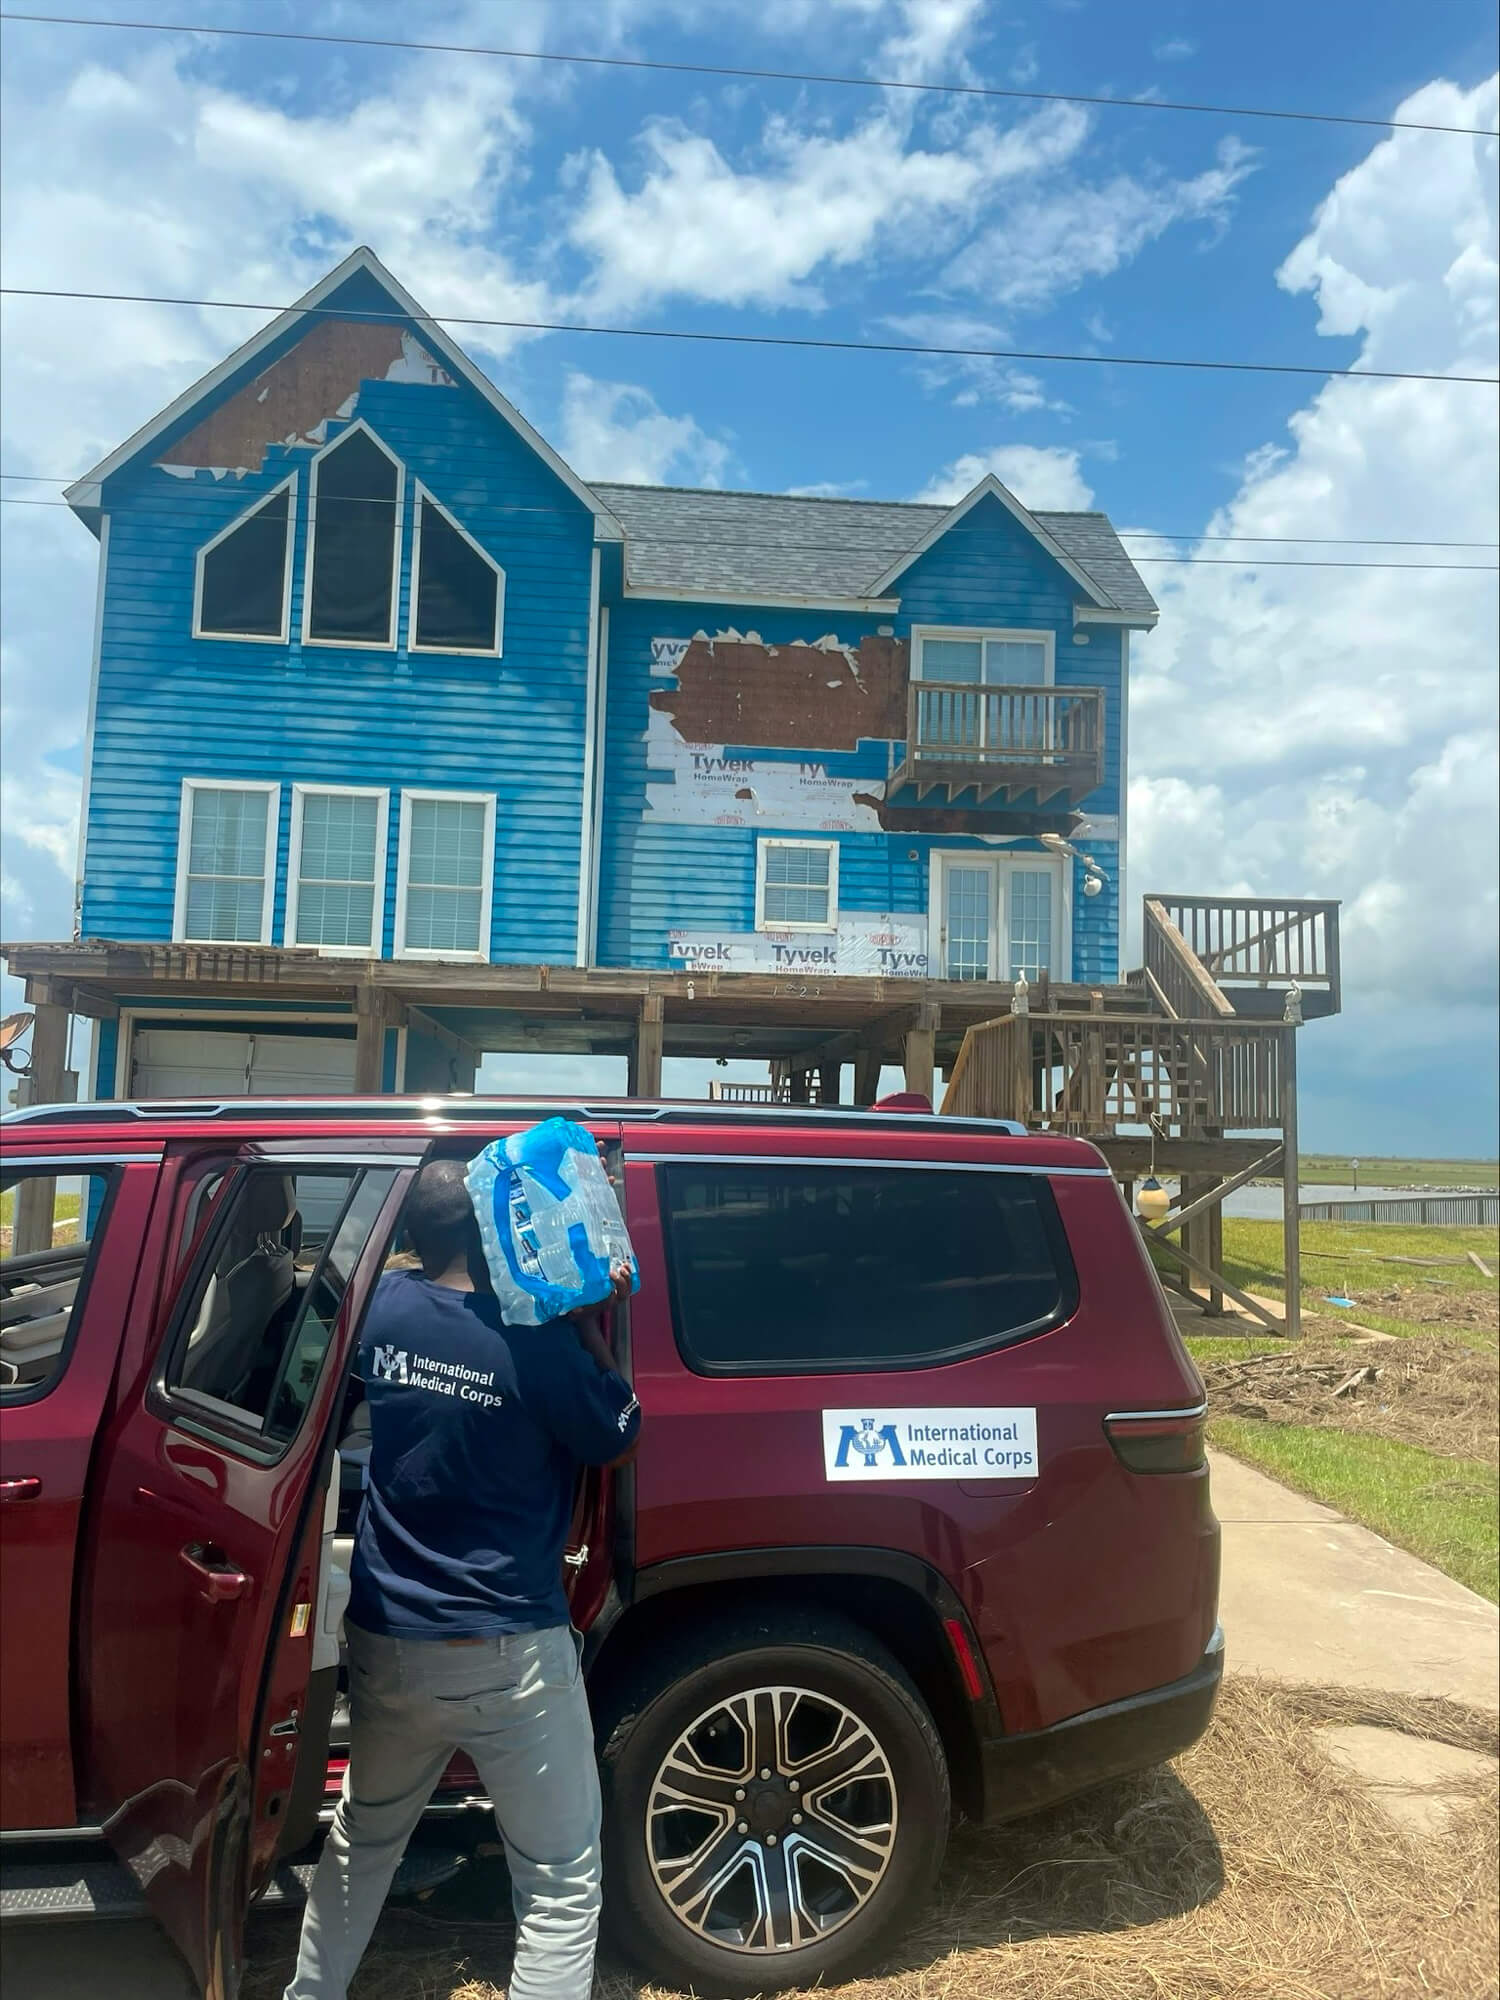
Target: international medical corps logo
x=954, y=1444
x=869, y=1444
x=389, y=1365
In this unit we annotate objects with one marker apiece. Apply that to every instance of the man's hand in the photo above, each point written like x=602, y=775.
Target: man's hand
x=589, y=1320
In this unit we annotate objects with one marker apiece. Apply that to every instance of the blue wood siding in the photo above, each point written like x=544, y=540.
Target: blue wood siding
x=657, y=876
x=172, y=707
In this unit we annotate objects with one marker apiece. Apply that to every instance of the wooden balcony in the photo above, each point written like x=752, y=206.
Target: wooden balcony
x=1208, y=955
x=1002, y=742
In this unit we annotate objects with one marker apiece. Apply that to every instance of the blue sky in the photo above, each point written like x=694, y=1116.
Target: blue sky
x=1294, y=731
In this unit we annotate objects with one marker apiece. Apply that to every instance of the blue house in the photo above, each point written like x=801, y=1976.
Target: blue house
x=405, y=742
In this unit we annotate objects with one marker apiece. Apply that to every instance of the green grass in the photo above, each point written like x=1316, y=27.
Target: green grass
x=1442, y=1509
x=1333, y=1168
x=1337, y=1254
x=65, y=1207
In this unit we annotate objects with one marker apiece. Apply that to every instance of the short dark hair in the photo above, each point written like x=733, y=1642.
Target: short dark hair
x=439, y=1217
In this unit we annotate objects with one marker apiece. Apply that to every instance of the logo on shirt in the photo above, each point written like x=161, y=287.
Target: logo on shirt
x=623, y=1421
x=869, y=1444
x=390, y=1364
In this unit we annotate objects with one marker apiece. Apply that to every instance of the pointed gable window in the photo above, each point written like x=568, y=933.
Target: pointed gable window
x=244, y=573
x=354, y=539
x=458, y=590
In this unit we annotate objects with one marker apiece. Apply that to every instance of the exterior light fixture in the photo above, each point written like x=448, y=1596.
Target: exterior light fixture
x=1092, y=884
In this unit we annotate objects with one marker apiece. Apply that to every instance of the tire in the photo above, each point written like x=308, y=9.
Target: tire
x=710, y=1882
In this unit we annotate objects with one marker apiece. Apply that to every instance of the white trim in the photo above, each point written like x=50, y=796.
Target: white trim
x=763, y=845
x=84, y=492
x=990, y=486
x=279, y=638
x=1002, y=867
x=230, y=1015
x=937, y=1125
x=1042, y=636
x=421, y=496
x=601, y=764
x=398, y=508
x=753, y=600
x=381, y=794
x=486, y=887
x=95, y=669
x=1132, y=621
x=587, y=832
x=1122, y=793
x=184, y=844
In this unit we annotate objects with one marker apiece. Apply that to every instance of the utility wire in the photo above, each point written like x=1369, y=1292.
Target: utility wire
x=787, y=340
x=739, y=541
x=792, y=548
x=741, y=72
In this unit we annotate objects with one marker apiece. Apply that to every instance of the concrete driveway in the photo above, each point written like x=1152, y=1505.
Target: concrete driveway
x=1307, y=1596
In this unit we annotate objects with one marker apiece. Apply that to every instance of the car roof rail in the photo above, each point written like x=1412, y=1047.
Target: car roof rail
x=463, y=1108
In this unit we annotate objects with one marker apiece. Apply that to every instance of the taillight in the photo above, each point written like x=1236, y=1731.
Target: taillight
x=1158, y=1440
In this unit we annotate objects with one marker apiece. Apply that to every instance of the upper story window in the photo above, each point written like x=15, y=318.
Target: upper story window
x=335, y=896
x=445, y=875
x=243, y=587
x=458, y=590
x=797, y=885
x=983, y=658
x=353, y=542
x=226, y=862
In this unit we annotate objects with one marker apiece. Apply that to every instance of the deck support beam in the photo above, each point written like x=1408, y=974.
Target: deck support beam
x=1291, y=1195
x=375, y=1010
x=36, y=1197
x=920, y=1051
x=644, y=1078
x=867, y=1067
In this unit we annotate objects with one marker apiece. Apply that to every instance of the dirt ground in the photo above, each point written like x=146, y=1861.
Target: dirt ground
x=1431, y=1391
x=1252, y=1869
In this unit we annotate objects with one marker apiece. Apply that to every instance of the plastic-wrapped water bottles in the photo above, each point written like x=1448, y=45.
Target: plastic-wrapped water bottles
x=550, y=1224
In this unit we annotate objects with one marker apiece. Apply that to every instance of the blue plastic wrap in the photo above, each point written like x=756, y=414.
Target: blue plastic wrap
x=551, y=1227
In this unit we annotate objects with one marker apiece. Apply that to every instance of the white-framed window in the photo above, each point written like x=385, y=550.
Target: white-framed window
x=983, y=656
x=353, y=542
x=335, y=890
x=445, y=872
x=996, y=916
x=457, y=587
x=797, y=885
x=226, y=861
x=242, y=583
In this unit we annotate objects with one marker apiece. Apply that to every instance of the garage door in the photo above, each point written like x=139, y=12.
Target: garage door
x=218, y=1062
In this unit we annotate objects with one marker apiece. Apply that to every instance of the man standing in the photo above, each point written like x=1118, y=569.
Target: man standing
x=457, y=1625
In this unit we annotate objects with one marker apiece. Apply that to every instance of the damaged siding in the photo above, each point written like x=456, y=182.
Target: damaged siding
x=172, y=707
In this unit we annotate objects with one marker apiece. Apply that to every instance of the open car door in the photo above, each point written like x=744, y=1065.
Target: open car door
x=199, y=1588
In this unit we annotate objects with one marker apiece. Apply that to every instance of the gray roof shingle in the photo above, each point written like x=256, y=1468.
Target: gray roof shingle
x=767, y=545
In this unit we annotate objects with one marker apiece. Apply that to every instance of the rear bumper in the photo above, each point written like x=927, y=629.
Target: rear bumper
x=1021, y=1774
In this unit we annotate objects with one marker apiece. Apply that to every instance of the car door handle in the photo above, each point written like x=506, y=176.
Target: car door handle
x=221, y=1581
x=20, y=1489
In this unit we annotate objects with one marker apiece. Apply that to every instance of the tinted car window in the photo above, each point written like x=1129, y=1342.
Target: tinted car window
x=48, y=1225
x=781, y=1268
x=263, y=1307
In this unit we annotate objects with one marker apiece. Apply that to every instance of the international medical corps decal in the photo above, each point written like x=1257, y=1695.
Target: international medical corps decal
x=929, y=1444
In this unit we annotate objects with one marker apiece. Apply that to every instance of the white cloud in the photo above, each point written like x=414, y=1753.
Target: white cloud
x=1332, y=731
x=1176, y=48
x=1050, y=242
x=699, y=226
x=614, y=430
x=1044, y=477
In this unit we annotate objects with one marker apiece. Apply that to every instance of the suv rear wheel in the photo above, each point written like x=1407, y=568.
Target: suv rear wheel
x=776, y=1803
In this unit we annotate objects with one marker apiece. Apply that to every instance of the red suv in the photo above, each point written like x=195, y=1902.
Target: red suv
x=920, y=1521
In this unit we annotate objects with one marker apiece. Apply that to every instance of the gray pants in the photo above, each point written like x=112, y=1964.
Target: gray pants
x=517, y=1706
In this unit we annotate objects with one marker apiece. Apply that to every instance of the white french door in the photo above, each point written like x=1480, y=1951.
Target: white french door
x=996, y=917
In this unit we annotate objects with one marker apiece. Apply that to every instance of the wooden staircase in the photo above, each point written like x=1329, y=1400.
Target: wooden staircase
x=1182, y=1085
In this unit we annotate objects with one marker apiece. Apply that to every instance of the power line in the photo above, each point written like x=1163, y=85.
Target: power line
x=788, y=340
x=740, y=541
x=799, y=547
x=743, y=73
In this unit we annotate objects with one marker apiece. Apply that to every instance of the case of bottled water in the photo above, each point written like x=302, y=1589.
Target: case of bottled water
x=549, y=1221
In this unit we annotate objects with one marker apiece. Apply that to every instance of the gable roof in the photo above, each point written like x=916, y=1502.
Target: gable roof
x=763, y=546
x=84, y=493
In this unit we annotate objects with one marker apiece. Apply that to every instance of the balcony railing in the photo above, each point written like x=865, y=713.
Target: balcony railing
x=1010, y=740
x=1251, y=948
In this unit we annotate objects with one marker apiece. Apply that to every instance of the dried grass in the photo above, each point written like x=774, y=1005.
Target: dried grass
x=1253, y=1869
x=1427, y=1391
